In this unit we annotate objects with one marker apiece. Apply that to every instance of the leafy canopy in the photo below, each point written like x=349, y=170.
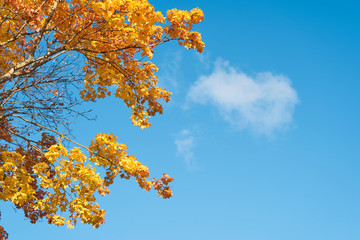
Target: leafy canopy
x=56, y=54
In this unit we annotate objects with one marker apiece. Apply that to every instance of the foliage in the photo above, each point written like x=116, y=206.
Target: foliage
x=42, y=44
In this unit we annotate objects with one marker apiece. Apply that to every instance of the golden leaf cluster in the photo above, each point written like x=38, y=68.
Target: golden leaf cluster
x=117, y=40
x=72, y=180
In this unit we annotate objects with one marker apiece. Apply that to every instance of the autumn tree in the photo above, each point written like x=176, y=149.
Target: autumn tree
x=56, y=54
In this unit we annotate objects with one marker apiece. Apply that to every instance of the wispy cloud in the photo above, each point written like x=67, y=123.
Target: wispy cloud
x=169, y=69
x=262, y=103
x=204, y=59
x=185, y=145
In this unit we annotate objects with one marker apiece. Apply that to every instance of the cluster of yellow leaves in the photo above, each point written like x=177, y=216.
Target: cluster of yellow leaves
x=113, y=35
x=73, y=185
x=180, y=28
x=118, y=39
x=133, y=29
x=16, y=183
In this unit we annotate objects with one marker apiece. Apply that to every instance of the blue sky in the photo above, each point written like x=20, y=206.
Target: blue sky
x=261, y=134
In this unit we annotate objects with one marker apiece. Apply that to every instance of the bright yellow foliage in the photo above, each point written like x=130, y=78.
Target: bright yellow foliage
x=117, y=39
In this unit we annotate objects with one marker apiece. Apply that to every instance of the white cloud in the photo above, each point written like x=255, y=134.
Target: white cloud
x=262, y=103
x=185, y=145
